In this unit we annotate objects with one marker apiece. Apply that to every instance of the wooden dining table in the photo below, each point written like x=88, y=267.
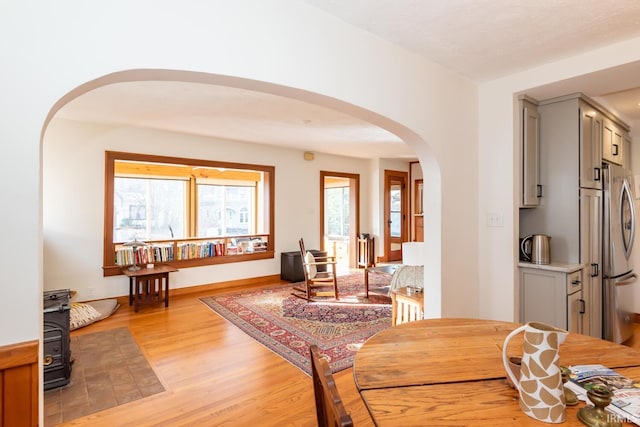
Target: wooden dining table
x=449, y=372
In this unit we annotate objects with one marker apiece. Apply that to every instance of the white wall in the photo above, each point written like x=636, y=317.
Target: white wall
x=73, y=201
x=61, y=46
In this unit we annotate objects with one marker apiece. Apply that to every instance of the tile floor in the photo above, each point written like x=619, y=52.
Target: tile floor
x=108, y=370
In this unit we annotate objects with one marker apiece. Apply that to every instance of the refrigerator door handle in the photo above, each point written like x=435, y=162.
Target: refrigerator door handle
x=626, y=280
x=627, y=196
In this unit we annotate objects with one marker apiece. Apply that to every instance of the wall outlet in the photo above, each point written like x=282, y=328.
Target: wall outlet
x=495, y=219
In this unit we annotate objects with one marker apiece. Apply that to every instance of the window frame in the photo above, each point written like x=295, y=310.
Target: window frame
x=110, y=268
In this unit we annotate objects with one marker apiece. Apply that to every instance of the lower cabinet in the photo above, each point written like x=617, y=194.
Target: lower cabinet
x=552, y=297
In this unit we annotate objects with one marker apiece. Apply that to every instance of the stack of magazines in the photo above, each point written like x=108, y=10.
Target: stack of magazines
x=625, y=403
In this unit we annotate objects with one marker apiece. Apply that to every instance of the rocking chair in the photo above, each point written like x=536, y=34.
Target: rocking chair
x=317, y=283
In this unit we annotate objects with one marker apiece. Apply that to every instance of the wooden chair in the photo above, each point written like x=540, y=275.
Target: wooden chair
x=317, y=283
x=329, y=408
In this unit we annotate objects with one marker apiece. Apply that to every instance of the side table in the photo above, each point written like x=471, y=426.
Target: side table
x=382, y=269
x=407, y=305
x=149, y=285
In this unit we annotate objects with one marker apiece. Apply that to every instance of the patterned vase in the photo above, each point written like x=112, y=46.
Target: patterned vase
x=540, y=382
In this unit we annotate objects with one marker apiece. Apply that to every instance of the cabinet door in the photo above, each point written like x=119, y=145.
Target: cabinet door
x=590, y=149
x=612, y=143
x=591, y=257
x=543, y=297
x=626, y=151
x=574, y=310
x=531, y=157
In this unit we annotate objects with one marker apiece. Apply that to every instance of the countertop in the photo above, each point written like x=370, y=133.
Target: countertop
x=554, y=266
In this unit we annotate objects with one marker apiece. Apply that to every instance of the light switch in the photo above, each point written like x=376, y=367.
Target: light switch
x=495, y=219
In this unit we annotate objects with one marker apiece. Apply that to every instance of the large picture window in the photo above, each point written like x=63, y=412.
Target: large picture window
x=185, y=211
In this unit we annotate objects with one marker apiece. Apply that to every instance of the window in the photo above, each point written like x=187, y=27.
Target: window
x=337, y=208
x=180, y=204
x=232, y=199
x=163, y=199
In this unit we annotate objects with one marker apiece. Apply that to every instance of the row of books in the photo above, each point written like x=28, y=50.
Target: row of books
x=125, y=255
x=191, y=250
x=184, y=250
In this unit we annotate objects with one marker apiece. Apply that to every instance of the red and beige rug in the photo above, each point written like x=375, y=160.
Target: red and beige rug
x=288, y=325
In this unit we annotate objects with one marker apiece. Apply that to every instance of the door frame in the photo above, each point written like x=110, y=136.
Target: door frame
x=354, y=211
x=404, y=229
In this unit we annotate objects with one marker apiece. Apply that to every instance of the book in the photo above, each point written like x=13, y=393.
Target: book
x=625, y=403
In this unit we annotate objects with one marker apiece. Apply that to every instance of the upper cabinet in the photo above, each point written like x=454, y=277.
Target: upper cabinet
x=590, y=147
x=626, y=161
x=530, y=149
x=613, y=142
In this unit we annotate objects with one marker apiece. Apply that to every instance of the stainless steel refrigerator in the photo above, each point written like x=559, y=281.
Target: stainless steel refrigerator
x=618, y=275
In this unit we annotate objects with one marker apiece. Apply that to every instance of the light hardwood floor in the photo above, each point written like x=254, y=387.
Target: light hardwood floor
x=214, y=374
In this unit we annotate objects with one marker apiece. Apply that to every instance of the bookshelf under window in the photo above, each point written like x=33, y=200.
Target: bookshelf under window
x=191, y=252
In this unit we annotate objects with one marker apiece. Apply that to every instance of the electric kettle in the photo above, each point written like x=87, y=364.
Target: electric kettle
x=535, y=248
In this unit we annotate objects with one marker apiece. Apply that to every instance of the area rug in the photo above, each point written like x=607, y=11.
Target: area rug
x=288, y=325
x=108, y=370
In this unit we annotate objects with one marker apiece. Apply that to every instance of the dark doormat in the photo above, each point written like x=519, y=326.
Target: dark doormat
x=108, y=370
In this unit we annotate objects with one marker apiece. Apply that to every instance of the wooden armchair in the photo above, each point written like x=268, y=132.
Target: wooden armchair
x=329, y=408
x=317, y=283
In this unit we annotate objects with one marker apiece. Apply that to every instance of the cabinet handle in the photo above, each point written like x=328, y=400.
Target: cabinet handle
x=48, y=360
x=596, y=174
x=576, y=282
x=538, y=190
x=582, y=306
x=595, y=270
x=615, y=149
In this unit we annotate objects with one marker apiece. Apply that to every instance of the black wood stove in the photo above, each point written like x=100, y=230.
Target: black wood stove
x=57, y=342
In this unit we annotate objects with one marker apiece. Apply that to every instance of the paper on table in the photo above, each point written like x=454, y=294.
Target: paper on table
x=626, y=401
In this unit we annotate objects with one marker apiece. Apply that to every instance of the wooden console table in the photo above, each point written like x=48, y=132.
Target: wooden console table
x=146, y=285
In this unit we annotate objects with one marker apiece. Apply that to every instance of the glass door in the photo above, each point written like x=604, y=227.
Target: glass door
x=396, y=202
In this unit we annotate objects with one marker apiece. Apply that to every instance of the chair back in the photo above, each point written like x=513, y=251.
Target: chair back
x=329, y=408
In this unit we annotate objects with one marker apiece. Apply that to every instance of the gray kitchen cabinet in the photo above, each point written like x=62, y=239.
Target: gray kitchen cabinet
x=626, y=161
x=552, y=296
x=613, y=142
x=530, y=153
x=590, y=147
x=570, y=210
x=591, y=257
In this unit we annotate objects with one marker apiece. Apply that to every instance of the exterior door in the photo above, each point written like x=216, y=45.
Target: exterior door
x=395, y=213
x=339, y=217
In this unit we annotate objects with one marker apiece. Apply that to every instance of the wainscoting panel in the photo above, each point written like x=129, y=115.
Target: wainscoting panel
x=19, y=385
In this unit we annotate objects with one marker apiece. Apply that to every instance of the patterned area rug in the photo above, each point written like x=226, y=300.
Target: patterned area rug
x=288, y=325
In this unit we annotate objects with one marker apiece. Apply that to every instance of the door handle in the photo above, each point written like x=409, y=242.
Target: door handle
x=595, y=270
x=627, y=280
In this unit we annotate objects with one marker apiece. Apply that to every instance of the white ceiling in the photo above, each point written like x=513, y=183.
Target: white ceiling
x=481, y=39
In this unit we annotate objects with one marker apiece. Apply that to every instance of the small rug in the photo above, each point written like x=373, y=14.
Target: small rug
x=288, y=325
x=108, y=370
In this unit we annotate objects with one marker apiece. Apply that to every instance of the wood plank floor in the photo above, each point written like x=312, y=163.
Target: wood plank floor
x=214, y=374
